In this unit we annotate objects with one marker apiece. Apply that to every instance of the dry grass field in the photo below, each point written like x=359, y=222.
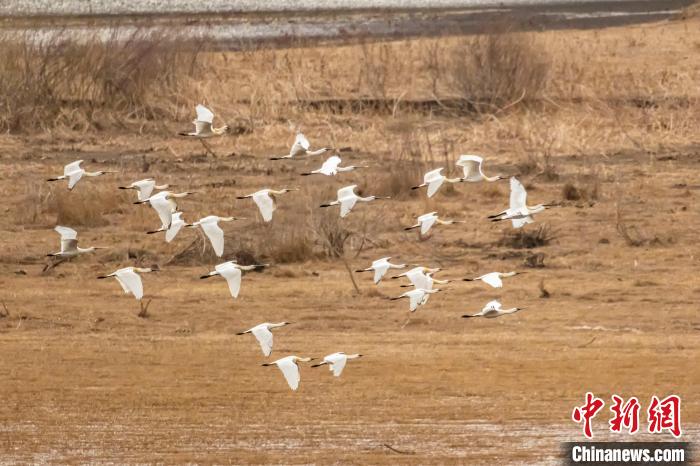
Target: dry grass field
x=605, y=123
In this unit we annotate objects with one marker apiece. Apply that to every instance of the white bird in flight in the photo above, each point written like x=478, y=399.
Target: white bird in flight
x=69, y=243
x=301, y=146
x=210, y=227
x=130, y=280
x=519, y=212
x=426, y=222
x=164, y=204
x=336, y=362
x=290, y=369
x=232, y=272
x=347, y=199
x=331, y=167
x=265, y=200
x=493, y=309
x=417, y=297
x=73, y=173
x=473, y=171
x=434, y=179
x=494, y=278
x=176, y=223
x=263, y=334
x=422, y=277
x=144, y=188
x=203, y=125
x=380, y=267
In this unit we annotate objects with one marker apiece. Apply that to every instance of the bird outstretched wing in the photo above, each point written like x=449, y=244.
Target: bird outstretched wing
x=265, y=203
x=330, y=166
x=471, y=166
x=204, y=114
x=290, y=370
x=337, y=362
x=175, y=225
x=232, y=274
x=132, y=281
x=264, y=337
x=164, y=208
x=215, y=235
x=72, y=167
x=518, y=195
x=492, y=279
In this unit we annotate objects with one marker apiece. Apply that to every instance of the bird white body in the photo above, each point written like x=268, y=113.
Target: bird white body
x=493, y=279
x=144, y=188
x=176, y=225
x=493, y=309
x=165, y=206
x=416, y=297
x=232, y=273
x=212, y=230
x=130, y=280
x=347, y=199
x=74, y=173
x=422, y=277
x=290, y=369
x=473, y=171
x=301, y=146
x=426, y=222
x=336, y=362
x=519, y=212
x=434, y=179
x=331, y=167
x=380, y=268
x=69, y=243
x=203, y=124
x=265, y=200
x=263, y=334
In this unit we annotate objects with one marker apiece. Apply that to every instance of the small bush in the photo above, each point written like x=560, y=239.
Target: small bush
x=528, y=239
x=59, y=81
x=498, y=69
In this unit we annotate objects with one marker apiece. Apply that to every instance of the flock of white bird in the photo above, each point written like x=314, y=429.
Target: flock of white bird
x=420, y=278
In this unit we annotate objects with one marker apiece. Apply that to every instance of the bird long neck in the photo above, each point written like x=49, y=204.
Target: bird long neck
x=90, y=249
x=509, y=311
x=454, y=180
x=162, y=186
x=316, y=152
x=178, y=194
x=93, y=173
x=491, y=178
x=219, y=131
x=281, y=324
x=366, y=199
x=226, y=219
x=353, y=356
x=508, y=274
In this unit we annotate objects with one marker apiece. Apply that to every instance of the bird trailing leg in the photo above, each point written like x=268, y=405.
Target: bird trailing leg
x=143, y=313
x=407, y=321
x=54, y=262
x=207, y=147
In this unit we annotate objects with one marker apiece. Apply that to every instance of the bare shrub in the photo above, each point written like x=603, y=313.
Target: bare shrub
x=86, y=208
x=527, y=239
x=498, y=69
x=56, y=80
x=579, y=191
x=331, y=233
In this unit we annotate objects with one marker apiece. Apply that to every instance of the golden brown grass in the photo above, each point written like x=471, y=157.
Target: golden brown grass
x=617, y=121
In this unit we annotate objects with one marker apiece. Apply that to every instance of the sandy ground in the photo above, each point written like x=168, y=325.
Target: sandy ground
x=83, y=379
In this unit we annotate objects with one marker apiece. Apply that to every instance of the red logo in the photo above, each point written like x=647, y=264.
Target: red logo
x=663, y=415
x=587, y=412
x=626, y=415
